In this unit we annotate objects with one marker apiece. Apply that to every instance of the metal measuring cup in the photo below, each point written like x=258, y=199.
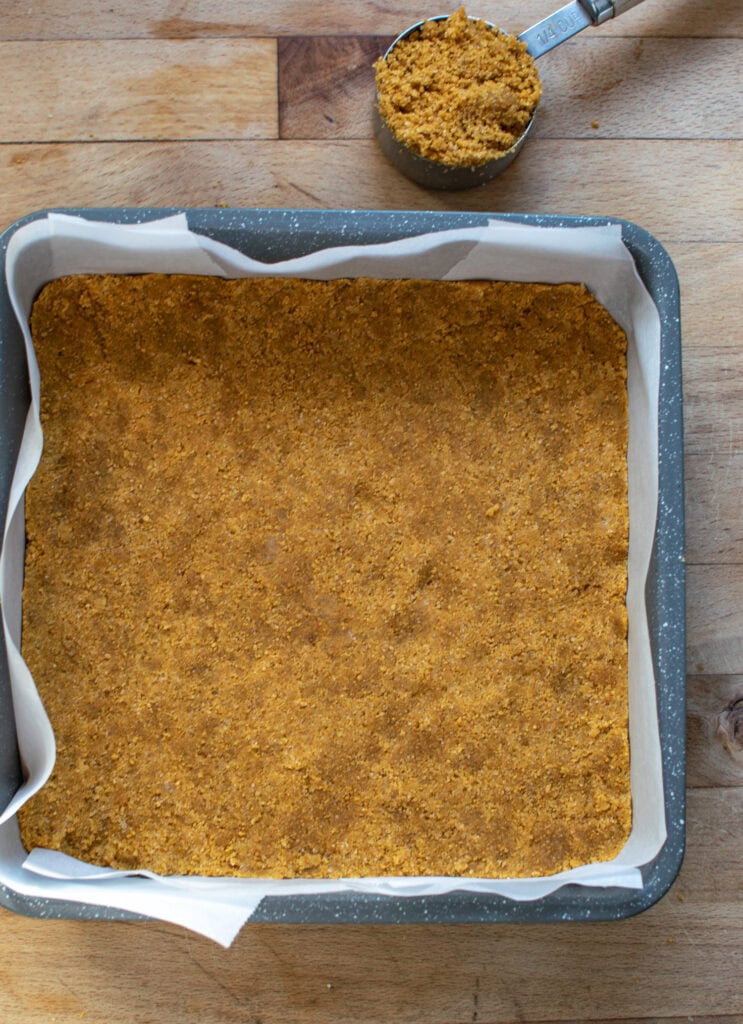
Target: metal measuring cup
x=539, y=39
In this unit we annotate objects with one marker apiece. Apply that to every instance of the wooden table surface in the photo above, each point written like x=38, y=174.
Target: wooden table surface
x=220, y=102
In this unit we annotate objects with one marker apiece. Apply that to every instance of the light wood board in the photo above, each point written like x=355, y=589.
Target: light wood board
x=215, y=102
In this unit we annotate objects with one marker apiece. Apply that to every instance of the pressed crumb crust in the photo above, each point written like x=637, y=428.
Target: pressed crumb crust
x=458, y=91
x=328, y=578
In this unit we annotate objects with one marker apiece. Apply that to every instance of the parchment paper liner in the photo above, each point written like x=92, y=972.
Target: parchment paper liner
x=59, y=245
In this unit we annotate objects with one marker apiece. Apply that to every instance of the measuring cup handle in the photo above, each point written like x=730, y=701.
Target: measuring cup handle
x=601, y=10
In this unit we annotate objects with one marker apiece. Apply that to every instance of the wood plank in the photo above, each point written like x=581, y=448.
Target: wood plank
x=696, y=1019
x=658, y=965
x=658, y=88
x=715, y=730
x=63, y=19
x=710, y=277
x=714, y=611
x=713, y=398
x=679, y=77
x=221, y=88
x=656, y=184
x=714, y=505
x=642, y=88
x=326, y=85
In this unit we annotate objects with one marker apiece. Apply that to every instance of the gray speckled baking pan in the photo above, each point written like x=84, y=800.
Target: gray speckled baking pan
x=273, y=235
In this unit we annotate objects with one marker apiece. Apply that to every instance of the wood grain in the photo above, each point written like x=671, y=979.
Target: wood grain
x=714, y=506
x=58, y=19
x=139, y=90
x=714, y=611
x=181, y=102
x=642, y=88
x=713, y=393
x=678, y=958
x=631, y=87
x=715, y=730
x=214, y=89
x=326, y=85
x=710, y=277
x=655, y=183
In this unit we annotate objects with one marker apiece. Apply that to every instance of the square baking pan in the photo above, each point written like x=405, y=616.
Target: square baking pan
x=271, y=236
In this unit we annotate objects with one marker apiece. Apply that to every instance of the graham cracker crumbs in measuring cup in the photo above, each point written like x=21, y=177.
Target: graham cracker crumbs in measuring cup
x=458, y=91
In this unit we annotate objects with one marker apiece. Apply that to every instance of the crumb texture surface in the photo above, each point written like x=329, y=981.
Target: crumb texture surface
x=327, y=578
x=458, y=91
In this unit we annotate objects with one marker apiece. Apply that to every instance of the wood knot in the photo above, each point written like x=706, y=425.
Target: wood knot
x=730, y=728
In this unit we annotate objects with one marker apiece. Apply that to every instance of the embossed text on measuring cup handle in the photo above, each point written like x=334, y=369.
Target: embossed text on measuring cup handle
x=573, y=18
x=556, y=28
